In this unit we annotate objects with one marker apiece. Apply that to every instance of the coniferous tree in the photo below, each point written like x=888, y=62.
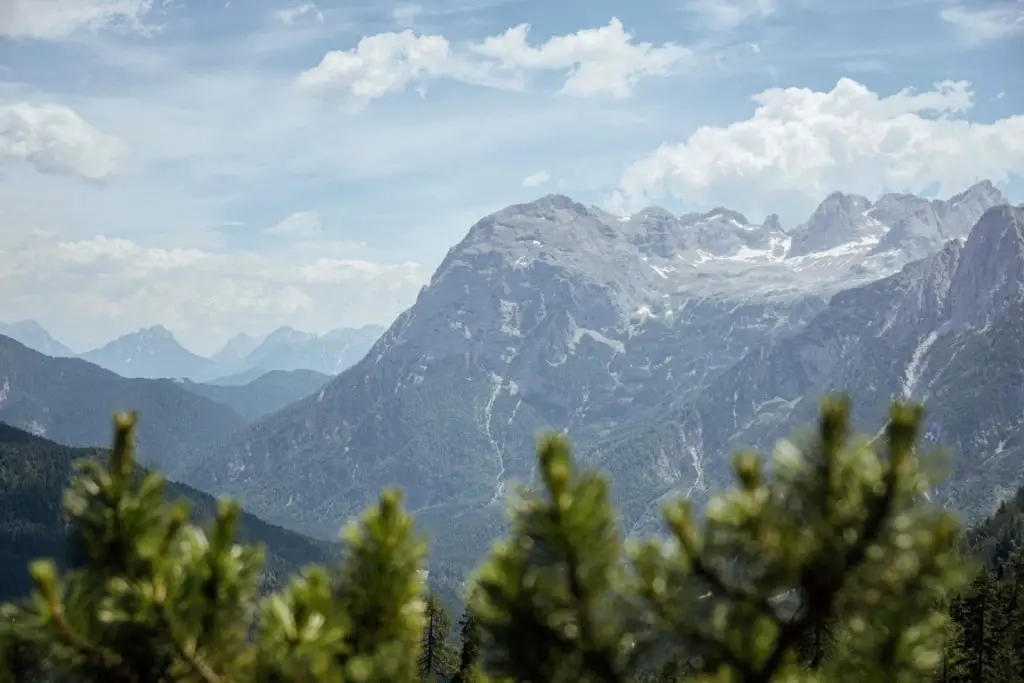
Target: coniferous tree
x=436, y=660
x=841, y=527
x=469, y=652
x=954, y=668
x=839, y=536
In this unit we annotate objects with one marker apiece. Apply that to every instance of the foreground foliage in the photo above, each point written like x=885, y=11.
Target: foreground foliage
x=836, y=551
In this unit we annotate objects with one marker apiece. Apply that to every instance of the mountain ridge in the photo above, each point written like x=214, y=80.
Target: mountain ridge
x=154, y=352
x=548, y=314
x=70, y=400
x=33, y=335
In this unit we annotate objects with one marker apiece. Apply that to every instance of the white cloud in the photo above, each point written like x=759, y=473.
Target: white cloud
x=978, y=26
x=288, y=15
x=599, y=61
x=379, y=64
x=727, y=14
x=55, y=19
x=314, y=289
x=405, y=15
x=54, y=139
x=536, y=179
x=802, y=144
x=300, y=225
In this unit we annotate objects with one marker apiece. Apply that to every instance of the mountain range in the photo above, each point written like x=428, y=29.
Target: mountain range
x=71, y=401
x=154, y=352
x=659, y=343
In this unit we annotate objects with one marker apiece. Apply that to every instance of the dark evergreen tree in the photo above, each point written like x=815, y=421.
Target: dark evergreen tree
x=469, y=652
x=437, y=659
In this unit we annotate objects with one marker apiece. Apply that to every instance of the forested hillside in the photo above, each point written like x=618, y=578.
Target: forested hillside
x=35, y=472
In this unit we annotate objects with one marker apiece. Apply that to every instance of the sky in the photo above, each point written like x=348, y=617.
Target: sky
x=221, y=167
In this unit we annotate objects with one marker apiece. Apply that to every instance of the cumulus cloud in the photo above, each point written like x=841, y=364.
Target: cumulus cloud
x=288, y=15
x=56, y=19
x=536, y=179
x=727, y=14
x=801, y=143
x=300, y=225
x=379, y=64
x=600, y=61
x=54, y=139
x=979, y=26
x=226, y=293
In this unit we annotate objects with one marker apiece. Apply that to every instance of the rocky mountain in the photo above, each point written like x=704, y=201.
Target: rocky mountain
x=289, y=349
x=72, y=401
x=34, y=336
x=33, y=475
x=555, y=315
x=933, y=223
x=264, y=395
x=151, y=352
x=947, y=330
x=236, y=349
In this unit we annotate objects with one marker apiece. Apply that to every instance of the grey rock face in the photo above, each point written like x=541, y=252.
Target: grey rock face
x=840, y=219
x=920, y=227
x=657, y=342
x=945, y=330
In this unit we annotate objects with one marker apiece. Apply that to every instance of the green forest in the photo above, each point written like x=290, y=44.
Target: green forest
x=824, y=563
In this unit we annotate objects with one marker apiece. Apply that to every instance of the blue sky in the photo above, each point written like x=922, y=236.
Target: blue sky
x=232, y=166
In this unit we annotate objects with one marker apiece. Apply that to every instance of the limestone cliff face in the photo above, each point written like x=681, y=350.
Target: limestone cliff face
x=657, y=341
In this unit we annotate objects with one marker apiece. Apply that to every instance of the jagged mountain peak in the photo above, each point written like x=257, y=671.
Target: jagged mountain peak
x=983, y=188
x=919, y=227
x=991, y=269
x=154, y=333
x=849, y=201
x=839, y=219
x=550, y=214
x=999, y=228
x=726, y=214
x=772, y=223
x=552, y=229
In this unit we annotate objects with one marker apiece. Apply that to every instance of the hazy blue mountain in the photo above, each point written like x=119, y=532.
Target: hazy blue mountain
x=266, y=394
x=151, y=352
x=34, y=336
